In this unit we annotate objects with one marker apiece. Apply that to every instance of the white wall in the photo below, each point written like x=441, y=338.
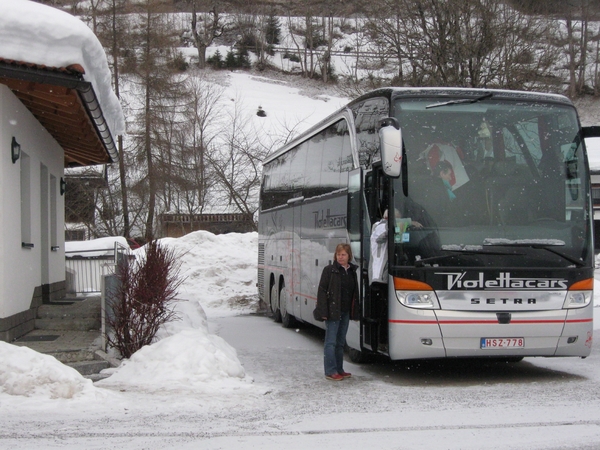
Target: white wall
x=21, y=269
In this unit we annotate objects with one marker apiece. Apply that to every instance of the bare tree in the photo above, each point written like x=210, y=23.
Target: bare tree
x=575, y=39
x=474, y=43
x=206, y=26
x=202, y=111
x=237, y=162
x=157, y=89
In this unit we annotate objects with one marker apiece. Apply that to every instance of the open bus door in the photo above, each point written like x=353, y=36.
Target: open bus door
x=355, y=218
x=366, y=205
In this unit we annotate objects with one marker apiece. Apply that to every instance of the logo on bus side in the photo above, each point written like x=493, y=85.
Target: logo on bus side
x=503, y=281
x=328, y=220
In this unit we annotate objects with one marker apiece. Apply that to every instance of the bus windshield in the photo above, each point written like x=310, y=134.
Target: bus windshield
x=491, y=183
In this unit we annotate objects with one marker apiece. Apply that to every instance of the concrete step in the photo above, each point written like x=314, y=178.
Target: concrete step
x=89, y=367
x=70, y=332
x=64, y=345
x=73, y=356
x=76, y=324
x=81, y=315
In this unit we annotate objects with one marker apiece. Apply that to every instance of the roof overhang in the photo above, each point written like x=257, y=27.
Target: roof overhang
x=66, y=106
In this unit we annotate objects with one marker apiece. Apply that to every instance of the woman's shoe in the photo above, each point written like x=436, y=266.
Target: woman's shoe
x=334, y=377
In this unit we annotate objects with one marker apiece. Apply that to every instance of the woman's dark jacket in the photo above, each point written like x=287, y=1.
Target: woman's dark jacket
x=330, y=292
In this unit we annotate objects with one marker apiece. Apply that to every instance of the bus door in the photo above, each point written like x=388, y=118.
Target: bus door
x=355, y=231
x=360, y=201
x=375, y=294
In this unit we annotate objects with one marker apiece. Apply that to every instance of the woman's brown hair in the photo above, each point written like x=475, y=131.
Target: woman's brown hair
x=343, y=247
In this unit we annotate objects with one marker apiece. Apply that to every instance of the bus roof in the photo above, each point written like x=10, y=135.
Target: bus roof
x=392, y=93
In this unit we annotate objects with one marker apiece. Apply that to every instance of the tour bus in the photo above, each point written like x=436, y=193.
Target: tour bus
x=489, y=242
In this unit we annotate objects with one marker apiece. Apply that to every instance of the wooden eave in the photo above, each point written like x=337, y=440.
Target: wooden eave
x=61, y=110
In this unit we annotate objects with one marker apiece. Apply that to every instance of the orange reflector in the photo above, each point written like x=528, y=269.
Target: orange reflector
x=404, y=284
x=583, y=285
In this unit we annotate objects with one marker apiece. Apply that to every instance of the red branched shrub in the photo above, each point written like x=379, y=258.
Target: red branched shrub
x=144, y=299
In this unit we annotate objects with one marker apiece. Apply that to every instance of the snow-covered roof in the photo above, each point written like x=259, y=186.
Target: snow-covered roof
x=39, y=38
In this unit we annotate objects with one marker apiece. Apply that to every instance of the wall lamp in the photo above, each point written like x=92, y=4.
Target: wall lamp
x=63, y=186
x=15, y=150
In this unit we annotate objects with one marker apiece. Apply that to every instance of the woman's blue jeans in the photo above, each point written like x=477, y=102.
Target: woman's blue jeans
x=335, y=341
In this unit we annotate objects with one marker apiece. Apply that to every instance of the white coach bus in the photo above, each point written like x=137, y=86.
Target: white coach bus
x=491, y=253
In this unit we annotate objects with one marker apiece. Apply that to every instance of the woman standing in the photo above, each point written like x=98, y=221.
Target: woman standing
x=337, y=303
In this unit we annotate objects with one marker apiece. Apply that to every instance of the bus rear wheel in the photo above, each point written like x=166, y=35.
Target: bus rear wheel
x=287, y=319
x=274, y=304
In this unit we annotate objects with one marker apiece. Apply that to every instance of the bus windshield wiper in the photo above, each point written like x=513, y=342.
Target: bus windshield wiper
x=538, y=245
x=461, y=101
x=452, y=253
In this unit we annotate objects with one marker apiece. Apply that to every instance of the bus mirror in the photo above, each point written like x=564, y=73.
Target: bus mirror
x=390, y=137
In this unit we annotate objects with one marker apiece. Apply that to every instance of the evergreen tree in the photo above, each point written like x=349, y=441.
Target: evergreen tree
x=216, y=60
x=230, y=60
x=273, y=30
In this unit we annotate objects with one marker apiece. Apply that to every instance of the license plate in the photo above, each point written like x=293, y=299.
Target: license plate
x=490, y=343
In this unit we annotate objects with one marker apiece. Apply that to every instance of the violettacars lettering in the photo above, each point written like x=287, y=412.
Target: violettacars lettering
x=327, y=220
x=459, y=280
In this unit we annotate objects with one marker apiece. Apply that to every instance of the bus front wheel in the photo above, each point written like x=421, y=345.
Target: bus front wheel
x=357, y=356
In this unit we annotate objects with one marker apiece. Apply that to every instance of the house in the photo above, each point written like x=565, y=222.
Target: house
x=57, y=110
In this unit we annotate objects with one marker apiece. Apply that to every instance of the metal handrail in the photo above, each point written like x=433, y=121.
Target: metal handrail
x=88, y=271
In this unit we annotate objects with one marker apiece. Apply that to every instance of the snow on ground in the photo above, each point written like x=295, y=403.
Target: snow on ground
x=96, y=247
x=219, y=276
x=25, y=372
x=191, y=390
x=282, y=102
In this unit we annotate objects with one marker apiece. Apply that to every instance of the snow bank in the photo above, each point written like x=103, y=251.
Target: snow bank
x=220, y=270
x=28, y=373
x=220, y=274
x=189, y=360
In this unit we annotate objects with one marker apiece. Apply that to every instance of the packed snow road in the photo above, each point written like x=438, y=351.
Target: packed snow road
x=285, y=402
x=537, y=403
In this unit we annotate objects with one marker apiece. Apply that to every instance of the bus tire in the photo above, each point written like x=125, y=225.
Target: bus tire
x=513, y=359
x=274, y=304
x=287, y=319
x=357, y=356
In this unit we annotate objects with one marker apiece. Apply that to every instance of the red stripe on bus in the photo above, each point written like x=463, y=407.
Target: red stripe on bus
x=484, y=322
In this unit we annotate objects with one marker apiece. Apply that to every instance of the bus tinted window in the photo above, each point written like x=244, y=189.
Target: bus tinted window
x=515, y=173
x=314, y=167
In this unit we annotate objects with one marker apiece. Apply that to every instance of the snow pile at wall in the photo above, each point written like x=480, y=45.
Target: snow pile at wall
x=26, y=372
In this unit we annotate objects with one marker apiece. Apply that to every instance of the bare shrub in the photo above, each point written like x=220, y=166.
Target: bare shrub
x=144, y=299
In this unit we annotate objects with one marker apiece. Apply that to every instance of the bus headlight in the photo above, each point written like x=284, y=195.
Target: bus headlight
x=578, y=299
x=422, y=300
